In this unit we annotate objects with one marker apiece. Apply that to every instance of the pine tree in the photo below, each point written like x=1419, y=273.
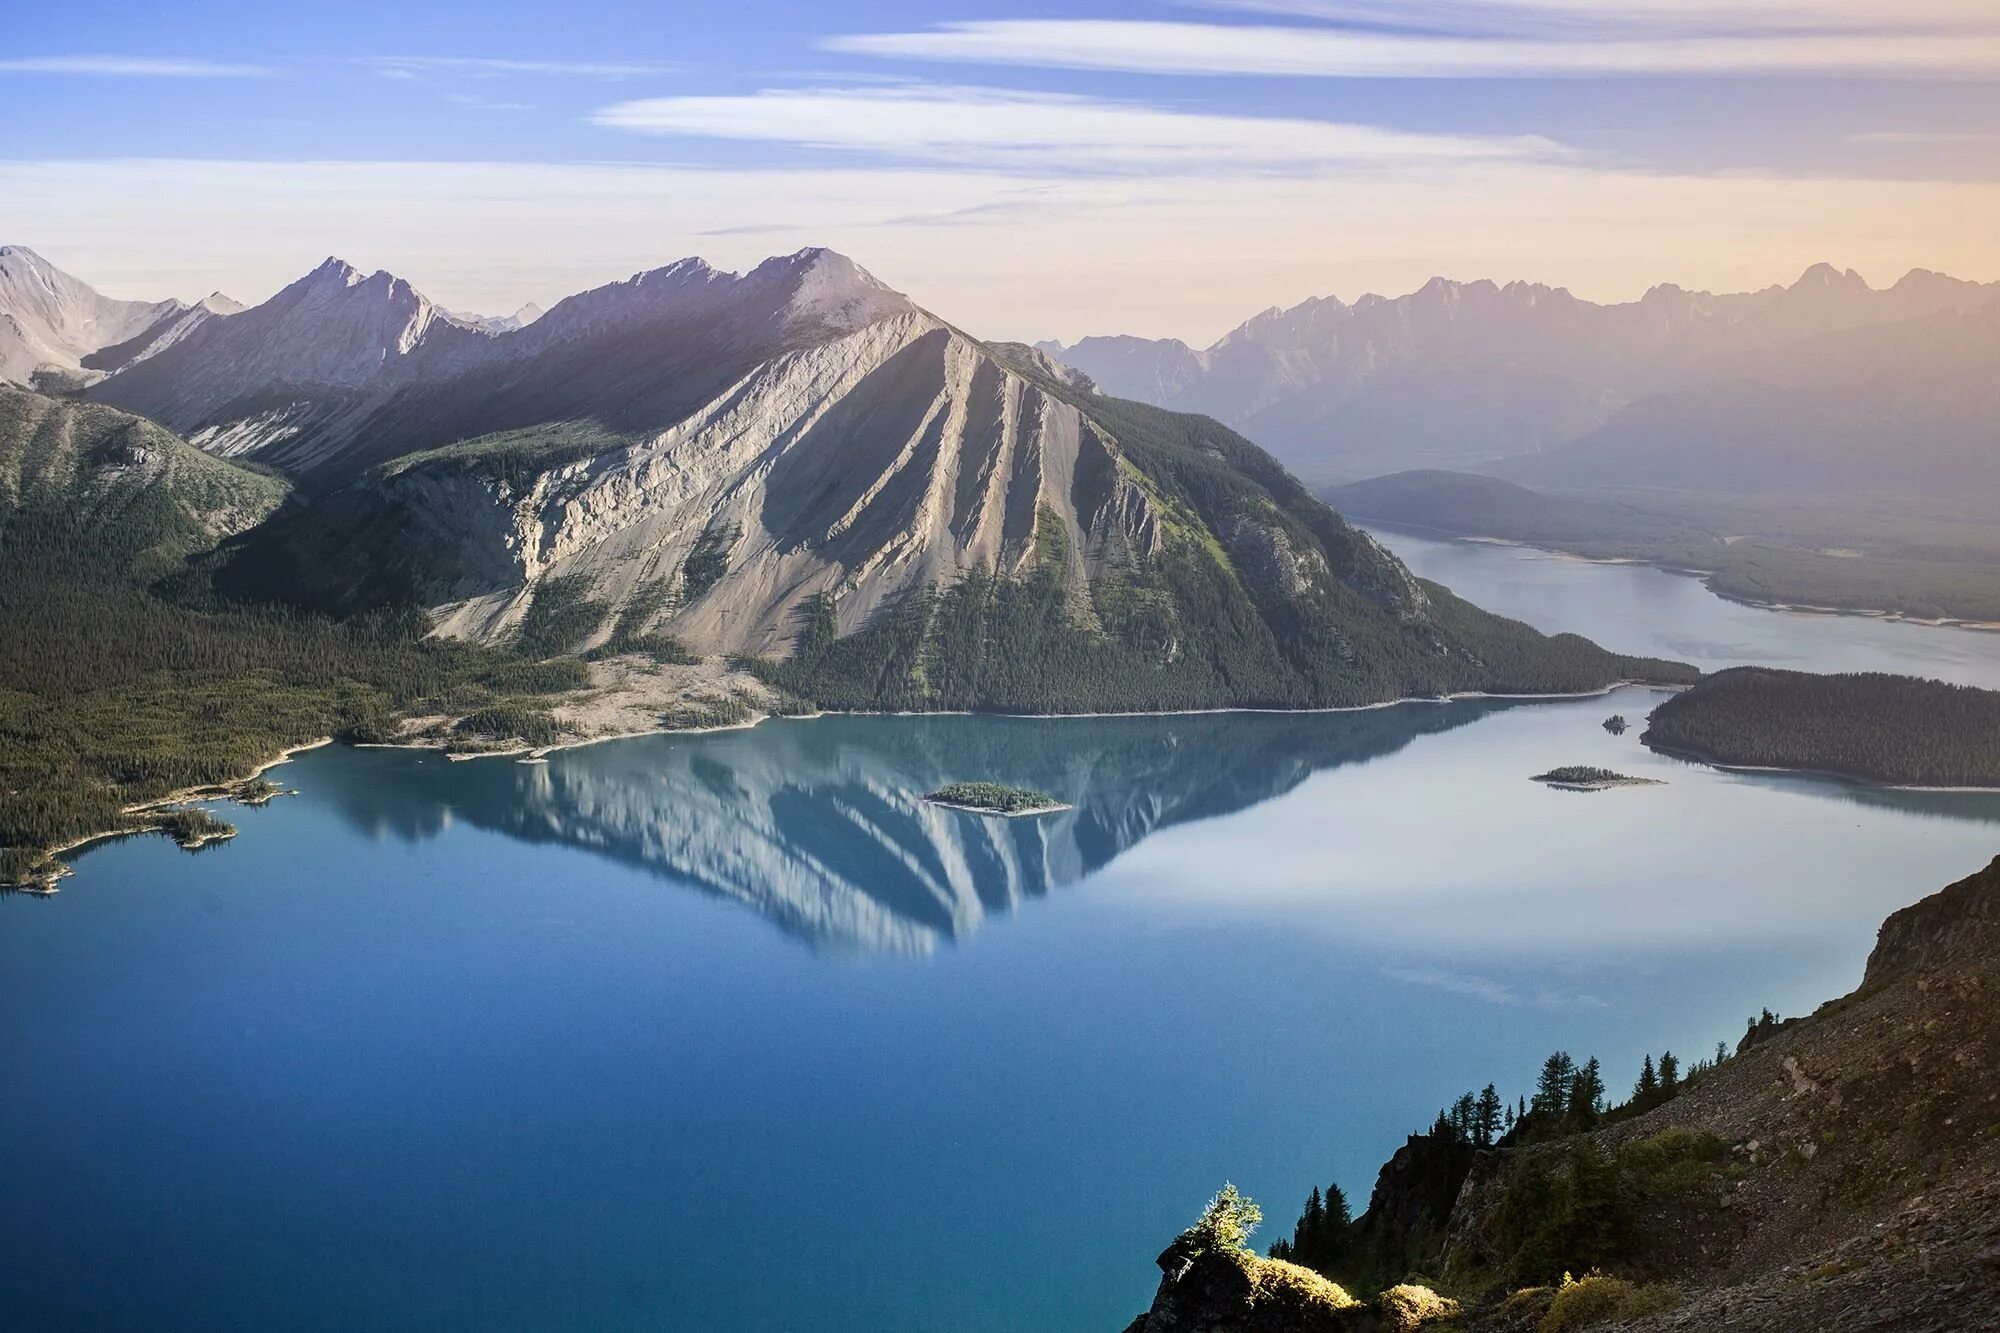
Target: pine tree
x=1465, y=1118
x=1552, y=1087
x=1670, y=1074
x=1486, y=1117
x=1338, y=1216
x=1648, y=1084
x=1586, y=1093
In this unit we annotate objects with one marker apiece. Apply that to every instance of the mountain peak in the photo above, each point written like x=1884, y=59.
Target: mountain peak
x=1827, y=276
x=333, y=271
x=830, y=290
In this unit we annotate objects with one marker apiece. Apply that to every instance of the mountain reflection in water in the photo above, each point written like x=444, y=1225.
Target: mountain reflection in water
x=821, y=825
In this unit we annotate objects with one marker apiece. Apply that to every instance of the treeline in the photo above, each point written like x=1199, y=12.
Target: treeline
x=1553, y=1213
x=1872, y=726
x=112, y=692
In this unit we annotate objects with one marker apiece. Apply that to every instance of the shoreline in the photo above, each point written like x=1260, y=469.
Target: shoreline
x=1706, y=577
x=45, y=885
x=1694, y=755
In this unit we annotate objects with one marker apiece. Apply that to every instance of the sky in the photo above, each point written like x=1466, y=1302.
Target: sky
x=1026, y=169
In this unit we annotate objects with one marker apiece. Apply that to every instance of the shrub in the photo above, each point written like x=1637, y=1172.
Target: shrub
x=1596, y=1299
x=1407, y=1306
x=1297, y=1293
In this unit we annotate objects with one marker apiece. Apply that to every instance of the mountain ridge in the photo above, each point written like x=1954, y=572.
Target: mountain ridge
x=1460, y=373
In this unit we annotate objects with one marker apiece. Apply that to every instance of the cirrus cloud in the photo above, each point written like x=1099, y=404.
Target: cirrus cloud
x=1910, y=50
x=1008, y=130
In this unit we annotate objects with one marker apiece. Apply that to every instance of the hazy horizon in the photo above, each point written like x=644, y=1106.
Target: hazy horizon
x=1149, y=168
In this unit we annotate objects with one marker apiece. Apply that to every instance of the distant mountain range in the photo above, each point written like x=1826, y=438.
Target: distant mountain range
x=1827, y=382
x=796, y=462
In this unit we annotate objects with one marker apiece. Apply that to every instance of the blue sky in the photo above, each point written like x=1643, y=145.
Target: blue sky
x=1026, y=169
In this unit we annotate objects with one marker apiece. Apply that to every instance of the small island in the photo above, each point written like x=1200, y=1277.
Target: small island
x=192, y=829
x=1615, y=724
x=1583, y=777
x=1866, y=727
x=990, y=798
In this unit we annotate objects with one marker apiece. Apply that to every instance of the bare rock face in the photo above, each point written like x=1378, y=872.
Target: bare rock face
x=52, y=322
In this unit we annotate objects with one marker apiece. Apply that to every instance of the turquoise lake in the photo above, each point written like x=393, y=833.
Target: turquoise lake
x=734, y=1032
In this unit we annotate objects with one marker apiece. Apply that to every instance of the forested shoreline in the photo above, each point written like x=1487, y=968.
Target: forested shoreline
x=1870, y=726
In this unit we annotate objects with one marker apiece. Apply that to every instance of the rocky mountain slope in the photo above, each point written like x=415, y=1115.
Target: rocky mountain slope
x=1459, y=373
x=799, y=454
x=799, y=465
x=1840, y=1171
x=54, y=324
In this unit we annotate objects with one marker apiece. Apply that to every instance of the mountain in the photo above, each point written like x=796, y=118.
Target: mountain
x=52, y=322
x=1461, y=373
x=520, y=319
x=342, y=369
x=1911, y=407
x=799, y=464
x=91, y=485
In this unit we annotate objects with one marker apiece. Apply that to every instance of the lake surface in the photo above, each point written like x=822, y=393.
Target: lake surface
x=1639, y=609
x=734, y=1032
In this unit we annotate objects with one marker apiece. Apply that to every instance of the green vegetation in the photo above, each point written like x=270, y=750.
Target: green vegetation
x=1616, y=724
x=1874, y=727
x=191, y=828
x=560, y=616
x=1929, y=558
x=1585, y=775
x=708, y=561
x=629, y=635
x=511, y=722
x=708, y=712
x=125, y=678
x=1225, y=1224
x=994, y=797
x=1562, y=1205
x=1595, y=1299
x=517, y=457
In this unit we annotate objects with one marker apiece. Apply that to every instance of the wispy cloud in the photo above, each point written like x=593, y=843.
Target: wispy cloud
x=1625, y=18
x=410, y=67
x=1945, y=38
x=1011, y=130
x=132, y=67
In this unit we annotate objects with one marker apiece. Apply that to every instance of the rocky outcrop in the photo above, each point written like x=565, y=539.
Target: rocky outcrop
x=1853, y=1180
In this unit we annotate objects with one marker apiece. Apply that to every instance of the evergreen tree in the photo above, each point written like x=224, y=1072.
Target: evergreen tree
x=1552, y=1087
x=1586, y=1093
x=1648, y=1084
x=1670, y=1074
x=1465, y=1119
x=1486, y=1117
